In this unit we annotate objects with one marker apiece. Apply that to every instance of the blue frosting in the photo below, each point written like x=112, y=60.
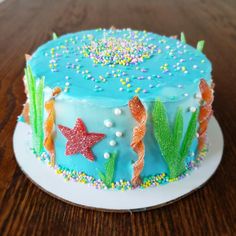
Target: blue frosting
x=172, y=65
x=94, y=82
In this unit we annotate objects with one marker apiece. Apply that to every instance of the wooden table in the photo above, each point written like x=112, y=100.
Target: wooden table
x=25, y=24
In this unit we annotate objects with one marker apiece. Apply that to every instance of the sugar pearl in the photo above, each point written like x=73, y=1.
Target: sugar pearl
x=198, y=95
x=117, y=111
x=192, y=109
x=108, y=123
x=119, y=133
x=112, y=143
x=106, y=155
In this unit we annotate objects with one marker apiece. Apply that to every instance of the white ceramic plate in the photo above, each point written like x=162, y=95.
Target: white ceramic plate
x=113, y=200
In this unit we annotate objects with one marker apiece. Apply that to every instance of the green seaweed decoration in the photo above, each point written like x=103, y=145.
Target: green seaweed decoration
x=108, y=176
x=182, y=37
x=200, y=45
x=36, y=103
x=54, y=36
x=169, y=141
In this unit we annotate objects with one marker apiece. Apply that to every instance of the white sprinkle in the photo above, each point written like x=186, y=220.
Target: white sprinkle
x=192, y=154
x=67, y=83
x=192, y=109
x=106, y=155
x=180, y=86
x=194, y=66
x=186, y=94
x=112, y=143
x=108, y=123
x=197, y=135
x=119, y=133
x=117, y=111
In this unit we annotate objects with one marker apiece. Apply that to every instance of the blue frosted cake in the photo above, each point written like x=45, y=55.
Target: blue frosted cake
x=118, y=108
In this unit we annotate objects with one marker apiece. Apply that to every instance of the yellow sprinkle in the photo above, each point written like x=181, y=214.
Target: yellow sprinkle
x=58, y=171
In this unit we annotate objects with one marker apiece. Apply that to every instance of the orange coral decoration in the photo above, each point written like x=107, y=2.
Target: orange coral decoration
x=205, y=112
x=27, y=57
x=49, y=125
x=139, y=113
x=56, y=91
x=25, y=112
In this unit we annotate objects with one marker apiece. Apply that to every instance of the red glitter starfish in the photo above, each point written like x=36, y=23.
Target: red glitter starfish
x=79, y=141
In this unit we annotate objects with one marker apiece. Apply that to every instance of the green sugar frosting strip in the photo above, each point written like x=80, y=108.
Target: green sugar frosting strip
x=169, y=140
x=108, y=176
x=200, y=45
x=36, y=103
x=182, y=37
x=54, y=36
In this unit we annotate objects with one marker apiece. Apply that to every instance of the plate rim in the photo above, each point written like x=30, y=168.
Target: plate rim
x=217, y=136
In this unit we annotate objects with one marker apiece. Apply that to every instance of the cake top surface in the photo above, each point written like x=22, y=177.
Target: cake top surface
x=119, y=64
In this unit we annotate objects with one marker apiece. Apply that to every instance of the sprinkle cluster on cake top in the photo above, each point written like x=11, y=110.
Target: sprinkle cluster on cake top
x=120, y=63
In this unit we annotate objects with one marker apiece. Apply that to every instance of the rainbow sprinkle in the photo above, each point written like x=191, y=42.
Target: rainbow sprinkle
x=151, y=181
x=121, y=51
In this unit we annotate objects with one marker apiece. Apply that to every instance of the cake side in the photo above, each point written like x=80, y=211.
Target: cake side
x=126, y=135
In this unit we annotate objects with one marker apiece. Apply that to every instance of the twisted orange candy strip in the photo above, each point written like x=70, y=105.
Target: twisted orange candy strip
x=49, y=125
x=25, y=112
x=139, y=113
x=205, y=112
x=27, y=57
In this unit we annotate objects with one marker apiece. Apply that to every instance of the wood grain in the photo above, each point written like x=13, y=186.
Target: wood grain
x=25, y=24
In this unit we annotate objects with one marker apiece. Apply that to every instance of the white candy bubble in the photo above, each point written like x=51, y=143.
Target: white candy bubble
x=108, y=123
x=106, y=155
x=192, y=109
x=117, y=111
x=119, y=133
x=112, y=143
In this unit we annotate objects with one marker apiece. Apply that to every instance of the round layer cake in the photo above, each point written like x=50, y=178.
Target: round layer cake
x=119, y=108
